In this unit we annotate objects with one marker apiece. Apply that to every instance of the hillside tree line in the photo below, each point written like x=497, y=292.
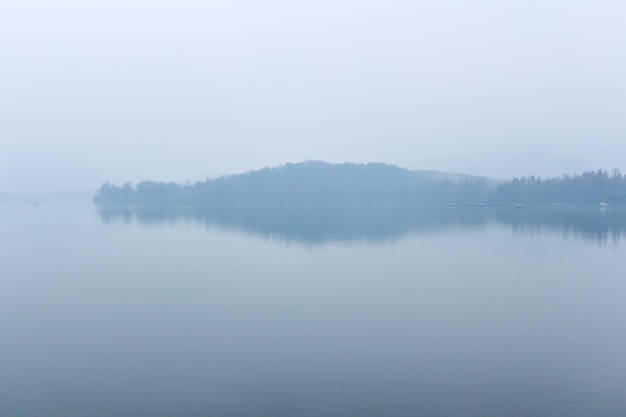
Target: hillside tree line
x=374, y=183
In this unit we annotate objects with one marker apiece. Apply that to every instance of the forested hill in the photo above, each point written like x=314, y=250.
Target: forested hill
x=373, y=183
x=307, y=182
x=588, y=188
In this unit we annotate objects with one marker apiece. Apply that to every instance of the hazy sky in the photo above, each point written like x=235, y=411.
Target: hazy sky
x=126, y=90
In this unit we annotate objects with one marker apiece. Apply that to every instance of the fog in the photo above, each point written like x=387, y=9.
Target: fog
x=129, y=90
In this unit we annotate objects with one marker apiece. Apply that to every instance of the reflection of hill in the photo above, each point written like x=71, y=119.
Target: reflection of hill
x=321, y=223
x=589, y=223
x=311, y=223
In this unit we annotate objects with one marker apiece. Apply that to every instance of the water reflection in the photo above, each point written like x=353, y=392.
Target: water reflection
x=602, y=225
x=156, y=316
x=320, y=224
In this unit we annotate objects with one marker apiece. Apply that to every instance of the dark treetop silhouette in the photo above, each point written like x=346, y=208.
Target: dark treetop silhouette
x=373, y=183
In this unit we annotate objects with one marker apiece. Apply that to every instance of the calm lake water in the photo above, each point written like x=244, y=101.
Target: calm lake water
x=312, y=311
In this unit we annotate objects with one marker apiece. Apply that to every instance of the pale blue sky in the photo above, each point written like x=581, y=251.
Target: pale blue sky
x=181, y=90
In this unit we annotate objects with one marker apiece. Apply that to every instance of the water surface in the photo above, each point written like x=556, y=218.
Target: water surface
x=313, y=311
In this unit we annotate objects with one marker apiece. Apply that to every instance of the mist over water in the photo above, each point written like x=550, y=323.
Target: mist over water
x=464, y=312
x=376, y=277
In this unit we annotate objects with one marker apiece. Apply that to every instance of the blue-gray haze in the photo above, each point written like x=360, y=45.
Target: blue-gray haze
x=309, y=309
x=125, y=91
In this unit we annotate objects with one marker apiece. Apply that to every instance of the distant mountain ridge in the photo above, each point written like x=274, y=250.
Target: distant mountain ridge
x=311, y=182
x=317, y=182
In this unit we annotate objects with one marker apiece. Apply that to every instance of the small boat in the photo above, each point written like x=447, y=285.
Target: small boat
x=518, y=206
